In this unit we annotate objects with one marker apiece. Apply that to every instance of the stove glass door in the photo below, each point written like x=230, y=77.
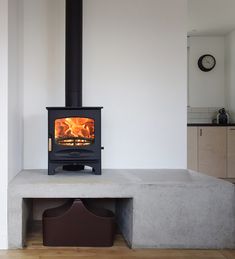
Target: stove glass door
x=75, y=131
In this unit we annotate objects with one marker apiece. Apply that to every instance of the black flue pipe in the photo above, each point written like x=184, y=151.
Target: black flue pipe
x=73, y=68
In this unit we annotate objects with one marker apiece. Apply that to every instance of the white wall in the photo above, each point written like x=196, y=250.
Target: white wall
x=206, y=89
x=3, y=121
x=15, y=91
x=134, y=66
x=43, y=73
x=11, y=116
x=230, y=68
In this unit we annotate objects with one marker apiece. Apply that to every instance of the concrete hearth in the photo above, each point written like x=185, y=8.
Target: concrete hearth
x=155, y=208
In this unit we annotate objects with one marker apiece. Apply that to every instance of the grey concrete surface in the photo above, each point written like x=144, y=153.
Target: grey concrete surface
x=155, y=208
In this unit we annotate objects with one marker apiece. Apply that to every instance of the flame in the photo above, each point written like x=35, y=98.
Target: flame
x=74, y=131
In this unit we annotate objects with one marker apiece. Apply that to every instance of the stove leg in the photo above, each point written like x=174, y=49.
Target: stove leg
x=51, y=168
x=97, y=169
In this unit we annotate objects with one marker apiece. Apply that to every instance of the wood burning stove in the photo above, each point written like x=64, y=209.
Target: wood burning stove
x=74, y=138
x=74, y=131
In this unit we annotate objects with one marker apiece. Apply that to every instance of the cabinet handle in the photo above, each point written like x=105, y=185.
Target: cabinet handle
x=232, y=129
x=200, y=132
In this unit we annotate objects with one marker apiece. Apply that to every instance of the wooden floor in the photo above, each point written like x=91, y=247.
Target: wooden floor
x=35, y=250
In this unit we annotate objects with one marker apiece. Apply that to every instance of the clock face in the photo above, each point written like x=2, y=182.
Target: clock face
x=206, y=63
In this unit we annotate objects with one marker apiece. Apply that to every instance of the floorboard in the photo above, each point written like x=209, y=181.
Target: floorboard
x=35, y=250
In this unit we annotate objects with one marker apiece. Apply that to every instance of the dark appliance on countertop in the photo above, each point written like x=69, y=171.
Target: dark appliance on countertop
x=222, y=117
x=74, y=131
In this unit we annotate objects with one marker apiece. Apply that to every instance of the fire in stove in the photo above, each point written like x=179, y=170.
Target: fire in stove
x=74, y=131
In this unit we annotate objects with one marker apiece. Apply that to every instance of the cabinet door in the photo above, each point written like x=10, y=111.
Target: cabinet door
x=192, y=149
x=212, y=151
x=231, y=152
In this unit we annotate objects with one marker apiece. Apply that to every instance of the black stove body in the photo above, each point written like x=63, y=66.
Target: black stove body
x=74, y=138
x=74, y=131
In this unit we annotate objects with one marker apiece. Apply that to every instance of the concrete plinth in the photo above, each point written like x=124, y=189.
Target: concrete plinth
x=155, y=208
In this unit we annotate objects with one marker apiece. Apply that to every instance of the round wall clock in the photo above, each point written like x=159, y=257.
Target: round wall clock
x=206, y=62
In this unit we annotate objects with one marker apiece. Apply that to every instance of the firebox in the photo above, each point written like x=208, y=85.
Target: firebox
x=74, y=131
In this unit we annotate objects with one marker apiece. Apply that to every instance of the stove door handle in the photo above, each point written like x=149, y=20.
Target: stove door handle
x=49, y=144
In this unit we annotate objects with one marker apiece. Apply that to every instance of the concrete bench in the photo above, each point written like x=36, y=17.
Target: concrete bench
x=155, y=208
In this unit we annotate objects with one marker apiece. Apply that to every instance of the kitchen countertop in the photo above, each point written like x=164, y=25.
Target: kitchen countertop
x=209, y=125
